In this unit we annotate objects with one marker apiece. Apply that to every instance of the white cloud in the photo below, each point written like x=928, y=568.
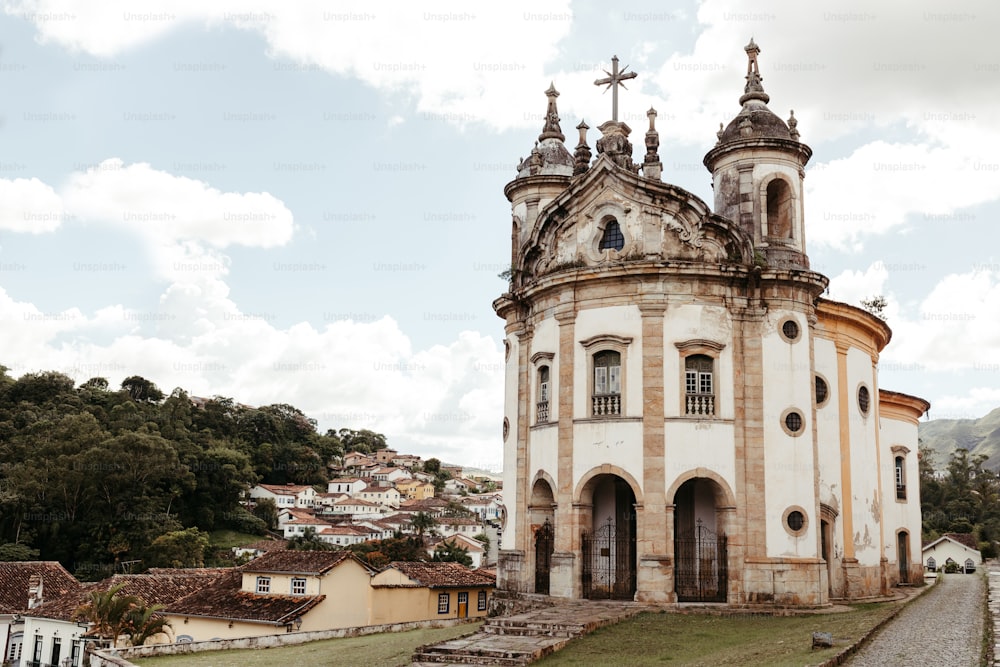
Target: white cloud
x=461, y=62
x=853, y=286
x=169, y=208
x=29, y=205
x=954, y=327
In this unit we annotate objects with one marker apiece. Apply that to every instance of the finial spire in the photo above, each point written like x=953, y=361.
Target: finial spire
x=551, y=128
x=614, y=79
x=754, y=89
x=793, y=125
x=582, y=154
x=651, y=165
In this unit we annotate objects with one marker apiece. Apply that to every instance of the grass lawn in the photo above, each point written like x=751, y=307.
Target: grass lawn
x=740, y=641
x=227, y=539
x=387, y=649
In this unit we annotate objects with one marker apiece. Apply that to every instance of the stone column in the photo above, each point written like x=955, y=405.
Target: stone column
x=564, y=580
x=747, y=536
x=524, y=539
x=653, y=576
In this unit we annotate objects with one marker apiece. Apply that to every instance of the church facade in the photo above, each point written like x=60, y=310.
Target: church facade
x=687, y=419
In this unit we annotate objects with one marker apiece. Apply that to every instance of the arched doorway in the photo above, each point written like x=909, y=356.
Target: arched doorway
x=608, y=544
x=700, y=549
x=542, y=515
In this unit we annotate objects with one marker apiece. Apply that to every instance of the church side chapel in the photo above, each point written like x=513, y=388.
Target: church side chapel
x=687, y=419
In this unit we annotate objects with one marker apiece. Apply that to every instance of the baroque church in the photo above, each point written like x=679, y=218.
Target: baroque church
x=687, y=419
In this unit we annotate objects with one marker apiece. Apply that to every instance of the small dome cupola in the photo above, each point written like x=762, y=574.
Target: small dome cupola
x=549, y=156
x=754, y=120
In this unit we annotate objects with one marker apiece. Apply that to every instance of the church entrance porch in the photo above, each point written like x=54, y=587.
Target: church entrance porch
x=608, y=546
x=700, y=548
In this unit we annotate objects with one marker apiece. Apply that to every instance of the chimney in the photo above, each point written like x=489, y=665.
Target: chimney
x=34, y=591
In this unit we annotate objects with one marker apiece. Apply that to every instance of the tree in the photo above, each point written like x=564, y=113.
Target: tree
x=309, y=541
x=140, y=389
x=423, y=522
x=10, y=551
x=875, y=305
x=484, y=539
x=266, y=510
x=449, y=552
x=179, y=548
x=112, y=615
x=143, y=622
x=107, y=612
x=361, y=441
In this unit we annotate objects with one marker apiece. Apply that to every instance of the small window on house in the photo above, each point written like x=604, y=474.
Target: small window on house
x=607, y=383
x=263, y=584
x=822, y=391
x=864, y=399
x=542, y=414
x=298, y=586
x=482, y=601
x=900, y=468
x=613, y=239
x=699, y=385
x=444, y=601
x=931, y=564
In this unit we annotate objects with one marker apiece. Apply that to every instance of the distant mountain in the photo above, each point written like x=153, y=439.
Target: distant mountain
x=979, y=436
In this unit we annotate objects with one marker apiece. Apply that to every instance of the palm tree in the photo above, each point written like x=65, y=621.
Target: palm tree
x=107, y=612
x=145, y=622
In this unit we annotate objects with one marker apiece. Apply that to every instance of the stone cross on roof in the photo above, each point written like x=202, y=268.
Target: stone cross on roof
x=613, y=80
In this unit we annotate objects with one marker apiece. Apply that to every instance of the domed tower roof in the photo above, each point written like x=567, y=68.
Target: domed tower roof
x=755, y=120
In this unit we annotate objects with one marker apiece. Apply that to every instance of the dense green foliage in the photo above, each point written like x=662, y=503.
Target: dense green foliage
x=965, y=499
x=93, y=477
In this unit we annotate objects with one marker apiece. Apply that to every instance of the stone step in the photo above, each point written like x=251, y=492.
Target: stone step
x=470, y=658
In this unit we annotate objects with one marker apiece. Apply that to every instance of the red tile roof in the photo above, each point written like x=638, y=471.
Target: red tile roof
x=967, y=539
x=298, y=562
x=225, y=599
x=285, y=489
x=161, y=588
x=14, y=577
x=443, y=575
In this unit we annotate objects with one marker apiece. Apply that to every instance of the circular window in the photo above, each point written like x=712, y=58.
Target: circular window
x=822, y=391
x=795, y=520
x=789, y=330
x=791, y=422
x=506, y=350
x=506, y=428
x=864, y=399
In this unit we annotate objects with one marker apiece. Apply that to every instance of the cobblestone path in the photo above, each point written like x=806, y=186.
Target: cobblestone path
x=943, y=627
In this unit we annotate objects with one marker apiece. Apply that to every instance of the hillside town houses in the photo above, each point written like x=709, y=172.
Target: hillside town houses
x=276, y=590
x=372, y=496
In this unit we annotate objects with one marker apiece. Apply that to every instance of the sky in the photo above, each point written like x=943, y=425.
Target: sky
x=303, y=202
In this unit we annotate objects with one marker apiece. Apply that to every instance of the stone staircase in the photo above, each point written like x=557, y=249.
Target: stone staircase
x=523, y=638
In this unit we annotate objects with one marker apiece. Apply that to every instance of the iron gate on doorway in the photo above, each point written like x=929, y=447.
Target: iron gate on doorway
x=544, y=546
x=609, y=562
x=701, y=574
